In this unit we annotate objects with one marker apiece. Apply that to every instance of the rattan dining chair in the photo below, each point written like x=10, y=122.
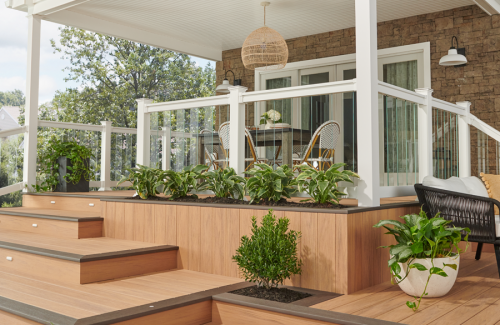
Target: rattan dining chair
x=328, y=134
x=224, y=140
x=213, y=152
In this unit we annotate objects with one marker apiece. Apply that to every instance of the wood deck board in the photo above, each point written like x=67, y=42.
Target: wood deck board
x=56, y=213
x=474, y=299
x=81, y=301
x=85, y=246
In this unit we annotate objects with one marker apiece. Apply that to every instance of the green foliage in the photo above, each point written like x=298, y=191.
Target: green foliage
x=12, y=98
x=269, y=184
x=225, y=183
x=112, y=73
x=180, y=184
x=322, y=185
x=11, y=168
x=48, y=163
x=269, y=256
x=420, y=237
x=145, y=180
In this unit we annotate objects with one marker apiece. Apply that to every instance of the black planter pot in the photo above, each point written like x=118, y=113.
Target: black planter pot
x=63, y=186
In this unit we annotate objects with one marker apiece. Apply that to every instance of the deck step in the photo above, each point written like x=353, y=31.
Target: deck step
x=155, y=299
x=79, y=261
x=56, y=223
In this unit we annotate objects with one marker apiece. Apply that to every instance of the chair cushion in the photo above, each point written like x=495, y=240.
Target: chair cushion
x=475, y=186
x=497, y=225
x=454, y=184
x=492, y=183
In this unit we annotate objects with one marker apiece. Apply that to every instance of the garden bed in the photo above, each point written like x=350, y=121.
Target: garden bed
x=284, y=295
x=265, y=203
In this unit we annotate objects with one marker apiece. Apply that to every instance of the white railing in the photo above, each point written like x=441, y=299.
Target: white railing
x=5, y=134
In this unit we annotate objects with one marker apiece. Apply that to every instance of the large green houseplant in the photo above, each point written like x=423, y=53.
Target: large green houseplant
x=426, y=249
x=65, y=167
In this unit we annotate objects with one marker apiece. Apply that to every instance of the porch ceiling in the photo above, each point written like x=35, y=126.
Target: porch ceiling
x=206, y=28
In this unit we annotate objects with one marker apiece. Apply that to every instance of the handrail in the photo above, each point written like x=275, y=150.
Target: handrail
x=326, y=88
x=10, y=132
x=400, y=93
x=71, y=126
x=117, y=129
x=11, y=188
x=187, y=104
x=485, y=128
x=447, y=106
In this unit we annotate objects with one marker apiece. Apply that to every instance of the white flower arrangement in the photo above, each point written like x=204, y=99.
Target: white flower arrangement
x=271, y=115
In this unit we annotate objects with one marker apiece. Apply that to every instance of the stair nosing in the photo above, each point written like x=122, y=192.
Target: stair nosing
x=47, y=216
x=86, y=258
x=35, y=313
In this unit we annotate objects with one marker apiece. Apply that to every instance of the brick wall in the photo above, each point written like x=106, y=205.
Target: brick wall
x=477, y=82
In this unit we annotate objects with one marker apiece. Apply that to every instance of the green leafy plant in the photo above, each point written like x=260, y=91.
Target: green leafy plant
x=225, y=183
x=145, y=180
x=180, y=184
x=49, y=166
x=419, y=238
x=269, y=255
x=269, y=184
x=322, y=185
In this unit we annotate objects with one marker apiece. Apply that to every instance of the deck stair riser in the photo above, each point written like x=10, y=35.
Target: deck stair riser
x=46, y=223
x=62, y=202
x=63, y=267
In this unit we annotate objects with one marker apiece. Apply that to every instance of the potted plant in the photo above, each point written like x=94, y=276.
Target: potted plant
x=269, y=118
x=66, y=167
x=425, y=260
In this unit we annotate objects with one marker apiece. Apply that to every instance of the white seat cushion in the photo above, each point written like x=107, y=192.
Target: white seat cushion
x=454, y=184
x=497, y=225
x=475, y=186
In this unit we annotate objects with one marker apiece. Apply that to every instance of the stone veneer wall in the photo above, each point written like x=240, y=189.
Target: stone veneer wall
x=477, y=82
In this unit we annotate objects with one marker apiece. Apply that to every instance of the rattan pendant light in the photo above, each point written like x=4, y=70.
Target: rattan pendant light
x=264, y=48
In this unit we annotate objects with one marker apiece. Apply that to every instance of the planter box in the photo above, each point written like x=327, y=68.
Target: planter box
x=339, y=248
x=63, y=186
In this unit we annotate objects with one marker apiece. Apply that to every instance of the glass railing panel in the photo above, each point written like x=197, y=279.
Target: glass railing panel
x=123, y=154
x=11, y=168
x=444, y=144
x=399, y=142
x=485, y=153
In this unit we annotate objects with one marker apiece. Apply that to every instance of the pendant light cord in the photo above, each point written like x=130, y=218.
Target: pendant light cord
x=265, y=15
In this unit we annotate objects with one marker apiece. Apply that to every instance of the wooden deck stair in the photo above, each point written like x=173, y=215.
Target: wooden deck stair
x=55, y=267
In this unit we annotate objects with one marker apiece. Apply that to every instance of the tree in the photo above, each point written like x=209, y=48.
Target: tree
x=113, y=73
x=12, y=98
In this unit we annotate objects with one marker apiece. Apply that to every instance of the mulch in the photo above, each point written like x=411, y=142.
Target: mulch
x=274, y=294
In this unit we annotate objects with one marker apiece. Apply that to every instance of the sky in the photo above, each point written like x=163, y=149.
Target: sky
x=13, y=50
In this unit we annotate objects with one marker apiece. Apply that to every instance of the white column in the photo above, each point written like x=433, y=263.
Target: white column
x=166, y=148
x=367, y=106
x=425, y=167
x=464, y=159
x=237, y=129
x=31, y=105
x=106, y=156
x=143, y=132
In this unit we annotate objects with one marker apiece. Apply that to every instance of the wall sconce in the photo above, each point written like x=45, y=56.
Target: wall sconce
x=456, y=56
x=224, y=87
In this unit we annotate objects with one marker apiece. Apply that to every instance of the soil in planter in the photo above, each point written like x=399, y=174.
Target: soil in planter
x=274, y=294
x=218, y=200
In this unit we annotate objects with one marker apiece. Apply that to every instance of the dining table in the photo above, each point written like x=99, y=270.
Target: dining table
x=285, y=138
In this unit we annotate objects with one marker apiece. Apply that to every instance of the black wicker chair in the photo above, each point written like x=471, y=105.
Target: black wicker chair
x=474, y=212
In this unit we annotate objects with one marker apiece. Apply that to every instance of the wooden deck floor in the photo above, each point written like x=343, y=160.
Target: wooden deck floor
x=474, y=299
x=79, y=301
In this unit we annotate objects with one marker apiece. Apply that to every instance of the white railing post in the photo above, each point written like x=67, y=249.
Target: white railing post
x=143, y=132
x=106, y=156
x=166, y=148
x=425, y=167
x=237, y=129
x=367, y=97
x=31, y=106
x=464, y=159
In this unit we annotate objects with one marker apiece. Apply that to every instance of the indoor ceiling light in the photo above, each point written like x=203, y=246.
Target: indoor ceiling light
x=224, y=87
x=456, y=56
x=264, y=48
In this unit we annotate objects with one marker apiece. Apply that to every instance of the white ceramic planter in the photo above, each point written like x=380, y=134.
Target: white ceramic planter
x=438, y=286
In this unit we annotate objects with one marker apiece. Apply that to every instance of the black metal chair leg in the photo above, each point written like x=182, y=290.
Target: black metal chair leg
x=478, y=250
x=497, y=254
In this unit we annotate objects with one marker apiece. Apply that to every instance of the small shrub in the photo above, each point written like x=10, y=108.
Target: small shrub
x=145, y=180
x=180, y=184
x=322, y=185
x=269, y=256
x=269, y=184
x=225, y=183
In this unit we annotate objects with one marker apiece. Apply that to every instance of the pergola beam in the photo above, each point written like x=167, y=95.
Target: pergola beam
x=491, y=7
